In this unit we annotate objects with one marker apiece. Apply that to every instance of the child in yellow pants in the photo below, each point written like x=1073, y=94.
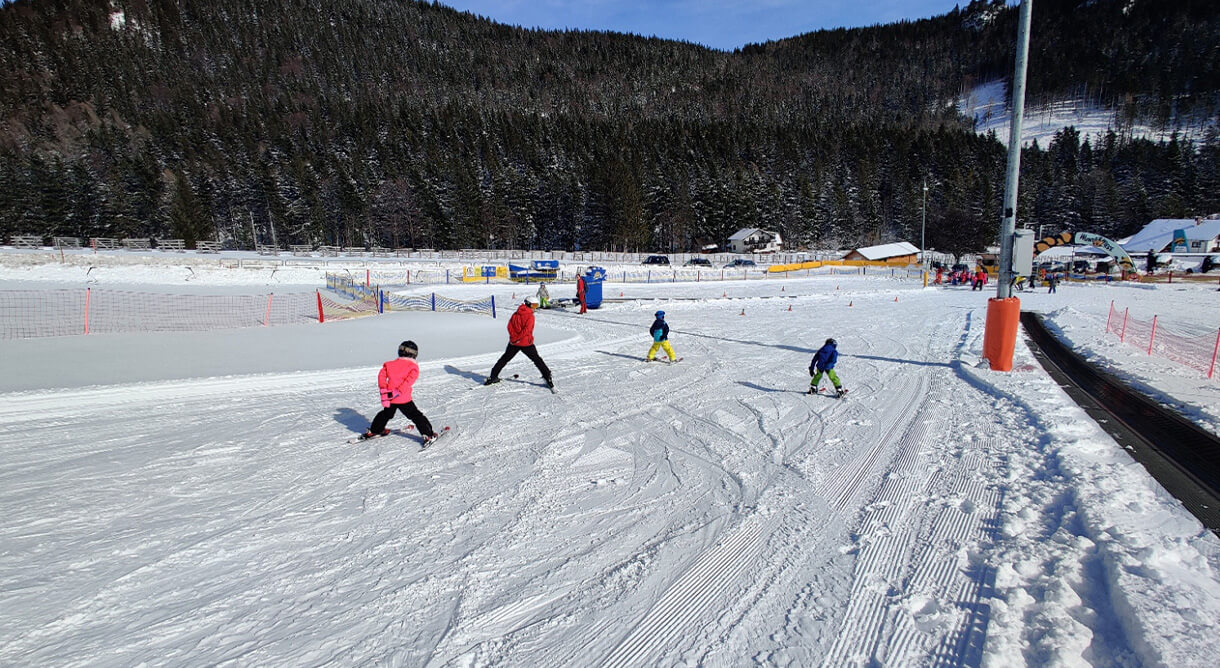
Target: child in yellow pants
x=660, y=338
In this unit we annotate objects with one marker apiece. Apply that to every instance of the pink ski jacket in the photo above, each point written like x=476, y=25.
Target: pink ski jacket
x=395, y=380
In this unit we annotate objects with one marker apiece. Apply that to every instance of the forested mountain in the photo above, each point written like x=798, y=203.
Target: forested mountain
x=402, y=123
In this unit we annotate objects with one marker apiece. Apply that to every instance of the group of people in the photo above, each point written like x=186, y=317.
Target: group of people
x=977, y=279
x=398, y=376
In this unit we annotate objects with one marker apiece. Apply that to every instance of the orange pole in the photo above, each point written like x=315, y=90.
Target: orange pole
x=321, y=318
x=267, y=318
x=1153, y=336
x=1215, y=350
x=88, y=293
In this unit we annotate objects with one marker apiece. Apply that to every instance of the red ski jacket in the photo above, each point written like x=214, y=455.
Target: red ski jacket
x=521, y=327
x=396, y=378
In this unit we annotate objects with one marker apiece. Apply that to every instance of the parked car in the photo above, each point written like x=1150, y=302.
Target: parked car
x=740, y=263
x=662, y=260
x=698, y=262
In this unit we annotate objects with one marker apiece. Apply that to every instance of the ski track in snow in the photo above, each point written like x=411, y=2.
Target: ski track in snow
x=707, y=512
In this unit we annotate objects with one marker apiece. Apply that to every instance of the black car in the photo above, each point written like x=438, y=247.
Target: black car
x=740, y=263
x=662, y=260
x=698, y=262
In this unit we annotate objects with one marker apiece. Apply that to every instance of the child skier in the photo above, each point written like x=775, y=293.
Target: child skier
x=660, y=339
x=395, y=381
x=824, y=361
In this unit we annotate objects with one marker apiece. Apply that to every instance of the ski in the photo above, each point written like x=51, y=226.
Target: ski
x=665, y=361
x=362, y=438
x=440, y=432
x=842, y=394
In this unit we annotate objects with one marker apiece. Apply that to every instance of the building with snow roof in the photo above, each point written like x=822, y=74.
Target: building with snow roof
x=896, y=253
x=754, y=240
x=1199, y=236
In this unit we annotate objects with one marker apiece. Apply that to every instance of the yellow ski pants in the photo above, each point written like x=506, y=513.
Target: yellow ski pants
x=652, y=352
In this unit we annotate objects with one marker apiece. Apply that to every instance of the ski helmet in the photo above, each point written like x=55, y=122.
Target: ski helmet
x=660, y=314
x=408, y=349
x=831, y=342
x=532, y=301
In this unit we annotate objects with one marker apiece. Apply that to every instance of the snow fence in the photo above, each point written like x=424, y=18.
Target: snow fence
x=1197, y=351
x=28, y=314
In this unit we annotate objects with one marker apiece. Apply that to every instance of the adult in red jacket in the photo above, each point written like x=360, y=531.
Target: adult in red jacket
x=521, y=340
x=580, y=293
x=395, y=380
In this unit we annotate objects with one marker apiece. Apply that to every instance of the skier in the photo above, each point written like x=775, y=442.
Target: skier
x=521, y=340
x=824, y=361
x=1052, y=281
x=580, y=293
x=660, y=338
x=395, y=381
x=980, y=279
x=544, y=296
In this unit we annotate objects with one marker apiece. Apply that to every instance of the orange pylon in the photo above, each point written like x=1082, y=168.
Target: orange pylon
x=790, y=307
x=836, y=287
x=781, y=288
x=849, y=304
x=724, y=294
x=895, y=299
x=743, y=311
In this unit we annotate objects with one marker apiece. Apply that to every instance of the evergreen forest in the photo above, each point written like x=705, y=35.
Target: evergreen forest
x=401, y=123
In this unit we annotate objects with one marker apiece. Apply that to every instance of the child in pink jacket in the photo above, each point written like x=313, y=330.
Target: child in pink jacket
x=395, y=381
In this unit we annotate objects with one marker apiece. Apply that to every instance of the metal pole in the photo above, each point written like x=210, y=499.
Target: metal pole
x=1009, y=224
x=923, y=227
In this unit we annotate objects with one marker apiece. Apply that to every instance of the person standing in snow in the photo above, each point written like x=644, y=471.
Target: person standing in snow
x=580, y=293
x=395, y=381
x=544, y=296
x=1052, y=281
x=824, y=361
x=660, y=338
x=521, y=340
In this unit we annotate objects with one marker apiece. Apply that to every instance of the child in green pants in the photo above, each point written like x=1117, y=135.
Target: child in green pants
x=824, y=361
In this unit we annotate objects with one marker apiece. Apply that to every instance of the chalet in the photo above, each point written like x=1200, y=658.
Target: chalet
x=752, y=240
x=1176, y=235
x=896, y=253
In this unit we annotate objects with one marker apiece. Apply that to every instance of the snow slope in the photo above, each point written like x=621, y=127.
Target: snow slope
x=706, y=513
x=988, y=104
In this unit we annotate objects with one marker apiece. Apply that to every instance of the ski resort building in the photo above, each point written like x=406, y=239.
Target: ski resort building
x=1176, y=235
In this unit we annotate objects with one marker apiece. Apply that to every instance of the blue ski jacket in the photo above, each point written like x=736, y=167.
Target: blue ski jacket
x=825, y=358
x=659, y=330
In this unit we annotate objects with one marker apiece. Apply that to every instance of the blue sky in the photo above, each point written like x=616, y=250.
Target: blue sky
x=720, y=24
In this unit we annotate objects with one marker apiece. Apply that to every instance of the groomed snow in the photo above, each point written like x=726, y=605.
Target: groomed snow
x=191, y=499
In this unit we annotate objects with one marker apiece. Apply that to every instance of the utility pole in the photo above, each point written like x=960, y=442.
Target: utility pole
x=923, y=227
x=1004, y=311
x=1009, y=223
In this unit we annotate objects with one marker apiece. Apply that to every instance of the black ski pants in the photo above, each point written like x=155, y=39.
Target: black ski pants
x=511, y=352
x=409, y=410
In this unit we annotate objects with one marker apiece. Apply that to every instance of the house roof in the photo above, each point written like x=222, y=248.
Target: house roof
x=1159, y=233
x=747, y=232
x=887, y=250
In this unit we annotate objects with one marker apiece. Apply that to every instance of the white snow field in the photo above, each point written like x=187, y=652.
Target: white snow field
x=171, y=499
x=988, y=104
